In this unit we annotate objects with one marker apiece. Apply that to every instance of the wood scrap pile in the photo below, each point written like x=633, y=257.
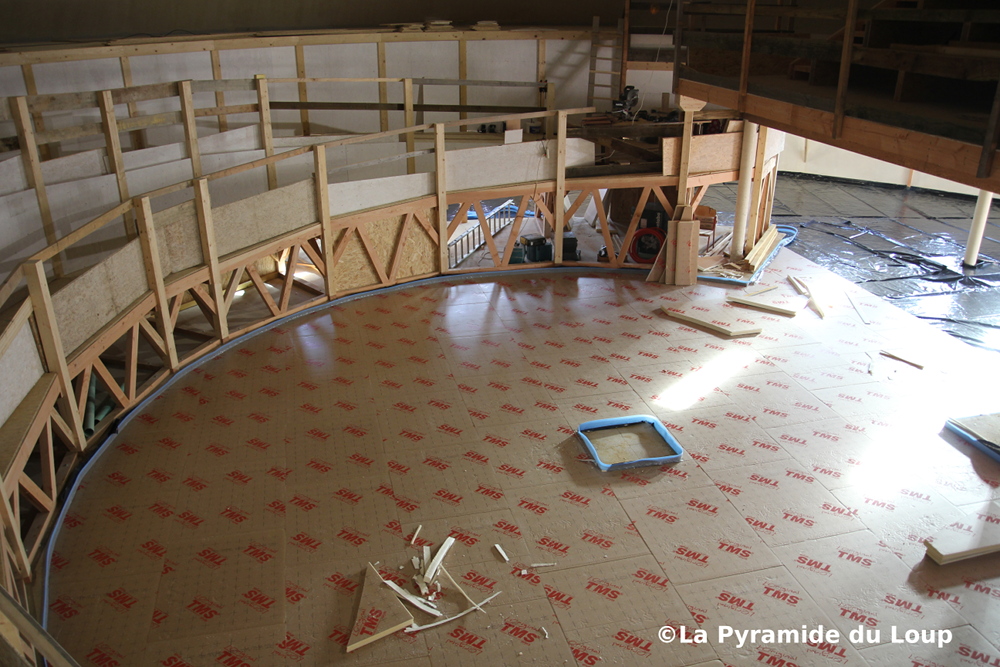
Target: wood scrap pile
x=486, y=25
x=715, y=259
x=381, y=612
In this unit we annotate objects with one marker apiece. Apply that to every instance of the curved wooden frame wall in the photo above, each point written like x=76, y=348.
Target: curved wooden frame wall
x=49, y=419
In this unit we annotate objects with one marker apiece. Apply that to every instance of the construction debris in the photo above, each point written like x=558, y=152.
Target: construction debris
x=380, y=613
x=780, y=303
x=503, y=554
x=899, y=356
x=438, y=558
x=544, y=564
x=712, y=316
x=422, y=605
x=460, y=590
x=418, y=628
x=415, y=533
x=975, y=535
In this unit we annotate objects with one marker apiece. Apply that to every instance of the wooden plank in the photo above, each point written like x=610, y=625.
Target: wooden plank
x=515, y=230
x=845, y=69
x=383, y=88
x=463, y=73
x=234, y=286
x=52, y=348
x=220, y=96
x=110, y=383
x=323, y=210
x=210, y=256
x=431, y=231
x=261, y=288
x=113, y=146
x=222, y=112
x=190, y=128
x=441, y=191
x=684, y=168
x=605, y=231
x=397, y=254
x=408, y=121
x=300, y=71
x=540, y=75
x=138, y=140
x=366, y=241
x=745, y=57
x=286, y=287
x=33, y=172
x=487, y=235
x=560, y=201
x=712, y=316
x=154, y=278
x=266, y=131
x=132, y=363
x=754, y=223
x=686, y=272
x=633, y=223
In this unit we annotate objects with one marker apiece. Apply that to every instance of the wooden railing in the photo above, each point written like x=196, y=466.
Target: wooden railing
x=116, y=332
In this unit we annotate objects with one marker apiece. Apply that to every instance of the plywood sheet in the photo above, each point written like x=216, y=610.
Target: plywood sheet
x=355, y=268
x=20, y=368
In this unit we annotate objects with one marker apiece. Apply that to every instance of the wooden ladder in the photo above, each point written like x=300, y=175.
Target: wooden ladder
x=613, y=70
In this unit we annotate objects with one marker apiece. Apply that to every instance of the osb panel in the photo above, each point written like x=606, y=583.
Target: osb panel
x=178, y=237
x=709, y=153
x=354, y=268
x=264, y=216
x=83, y=307
x=126, y=275
x=20, y=368
x=384, y=236
x=419, y=251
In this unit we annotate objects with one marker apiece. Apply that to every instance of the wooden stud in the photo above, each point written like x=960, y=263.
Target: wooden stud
x=745, y=59
x=560, y=201
x=441, y=187
x=132, y=363
x=605, y=231
x=753, y=224
x=261, y=288
x=234, y=286
x=48, y=461
x=138, y=140
x=686, y=253
x=626, y=45
x=632, y=225
x=845, y=69
x=190, y=129
x=463, y=74
x=366, y=241
x=323, y=209
x=266, y=131
x=397, y=254
x=300, y=71
x=515, y=230
x=220, y=96
x=291, y=263
x=484, y=225
x=383, y=89
x=37, y=120
x=110, y=383
x=210, y=255
x=685, y=164
x=152, y=337
x=550, y=105
x=52, y=347
x=154, y=277
x=540, y=66
x=408, y=121
x=33, y=172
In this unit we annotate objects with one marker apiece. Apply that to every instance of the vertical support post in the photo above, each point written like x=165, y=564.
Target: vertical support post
x=745, y=58
x=383, y=89
x=38, y=122
x=685, y=164
x=323, y=210
x=33, y=173
x=266, y=133
x=206, y=226
x=463, y=74
x=990, y=139
x=978, y=228
x=52, y=347
x=408, y=121
x=441, y=185
x=154, y=277
x=540, y=66
x=845, y=68
x=220, y=97
x=754, y=222
x=743, y=191
x=678, y=38
x=138, y=137
x=560, y=202
x=109, y=122
x=300, y=72
x=550, y=105
x=626, y=45
x=190, y=128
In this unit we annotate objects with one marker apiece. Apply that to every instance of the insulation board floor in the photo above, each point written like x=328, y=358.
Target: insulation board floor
x=232, y=518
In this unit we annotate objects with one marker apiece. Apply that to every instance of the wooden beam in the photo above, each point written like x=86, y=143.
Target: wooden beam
x=52, y=346
x=138, y=140
x=110, y=383
x=685, y=158
x=266, y=131
x=408, y=121
x=112, y=142
x=210, y=256
x=515, y=230
x=383, y=88
x=397, y=255
x=33, y=172
x=540, y=66
x=261, y=288
x=300, y=71
x=132, y=363
x=845, y=68
x=154, y=277
x=220, y=96
x=626, y=45
x=633, y=223
x=560, y=202
x=745, y=57
x=990, y=139
x=754, y=230
x=190, y=128
x=323, y=210
x=441, y=190
x=286, y=288
x=463, y=73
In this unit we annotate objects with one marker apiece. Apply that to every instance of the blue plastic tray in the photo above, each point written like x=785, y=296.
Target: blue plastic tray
x=598, y=424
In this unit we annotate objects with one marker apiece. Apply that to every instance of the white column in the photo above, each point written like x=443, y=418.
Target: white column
x=978, y=227
x=743, y=191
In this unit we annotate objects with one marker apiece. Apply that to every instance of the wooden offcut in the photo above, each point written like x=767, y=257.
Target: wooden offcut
x=380, y=612
x=977, y=534
x=715, y=317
